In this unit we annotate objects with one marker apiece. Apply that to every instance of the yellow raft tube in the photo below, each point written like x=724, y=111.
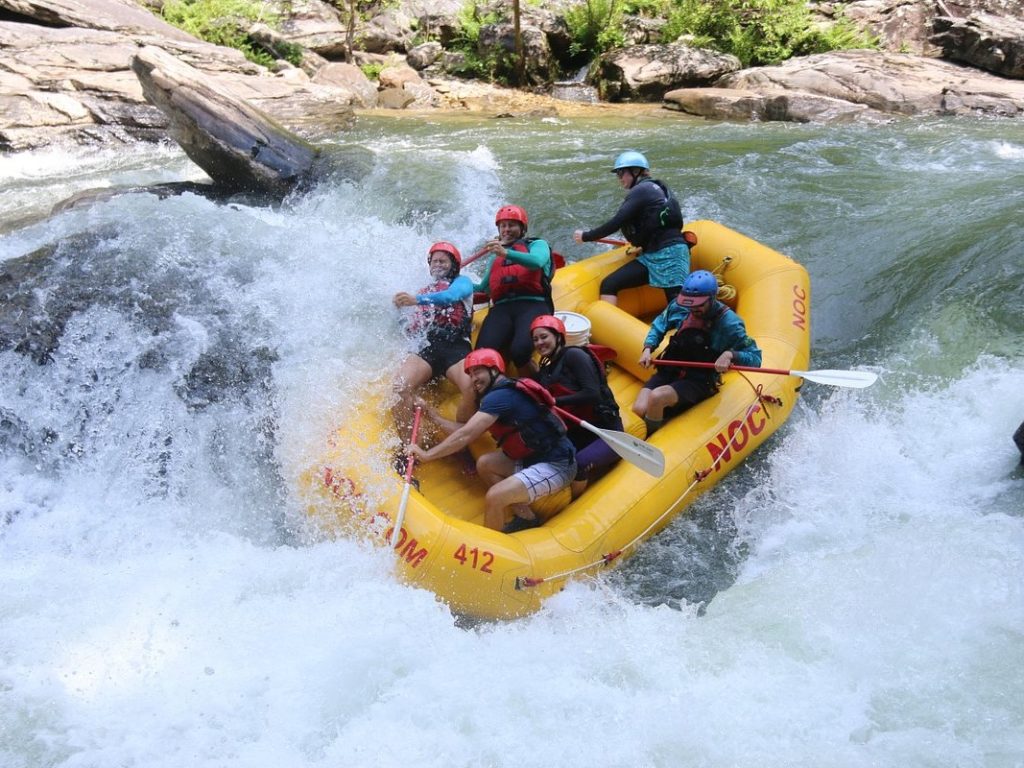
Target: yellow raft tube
x=443, y=545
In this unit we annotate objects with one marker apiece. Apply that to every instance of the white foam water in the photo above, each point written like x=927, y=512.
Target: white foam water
x=162, y=605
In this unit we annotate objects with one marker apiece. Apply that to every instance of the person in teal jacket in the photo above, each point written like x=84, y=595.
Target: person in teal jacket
x=706, y=331
x=518, y=282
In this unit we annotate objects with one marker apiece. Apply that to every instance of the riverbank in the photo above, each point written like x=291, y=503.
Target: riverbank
x=67, y=78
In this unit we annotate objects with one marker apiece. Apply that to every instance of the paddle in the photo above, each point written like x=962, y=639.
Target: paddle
x=557, y=260
x=474, y=257
x=854, y=379
x=632, y=449
x=400, y=517
x=610, y=241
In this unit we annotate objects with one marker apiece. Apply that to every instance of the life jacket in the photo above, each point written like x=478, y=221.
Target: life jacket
x=511, y=281
x=666, y=215
x=443, y=322
x=538, y=434
x=556, y=380
x=692, y=342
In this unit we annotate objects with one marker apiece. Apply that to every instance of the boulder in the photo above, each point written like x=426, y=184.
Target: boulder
x=240, y=148
x=70, y=84
x=66, y=83
x=277, y=45
x=435, y=19
x=422, y=56
x=386, y=32
x=540, y=66
x=646, y=72
x=397, y=75
x=902, y=26
x=351, y=78
x=985, y=41
x=893, y=83
x=122, y=16
x=395, y=98
x=311, y=24
x=791, y=106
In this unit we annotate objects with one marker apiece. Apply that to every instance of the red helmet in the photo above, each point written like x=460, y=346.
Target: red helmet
x=483, y=357
x=446, y=247
x=550, y=322
x=511, y=213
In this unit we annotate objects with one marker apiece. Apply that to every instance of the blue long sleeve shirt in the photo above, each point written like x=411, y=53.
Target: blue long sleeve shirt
x=460, y=288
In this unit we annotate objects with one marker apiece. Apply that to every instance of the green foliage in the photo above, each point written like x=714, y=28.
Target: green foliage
x=649, y=8
x=290, y=52
x=226, y=22
x=372, y=69
x=476, y=65
x=222, y=22
x=595, y=26
x=760, y=32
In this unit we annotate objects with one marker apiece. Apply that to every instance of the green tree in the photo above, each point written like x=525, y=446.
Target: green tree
x=222, y=22
x=760, y=32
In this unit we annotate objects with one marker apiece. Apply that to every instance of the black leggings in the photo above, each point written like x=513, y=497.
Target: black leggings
x=632, y=274
x=507, y=329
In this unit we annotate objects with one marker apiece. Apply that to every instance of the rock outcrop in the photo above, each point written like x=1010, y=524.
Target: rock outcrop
x=645, y=72
x=985, y=41
x=869, y=82
x=240, y=148
x=72, y=84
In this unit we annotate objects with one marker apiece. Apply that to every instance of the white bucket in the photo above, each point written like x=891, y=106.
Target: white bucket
x=577, y=328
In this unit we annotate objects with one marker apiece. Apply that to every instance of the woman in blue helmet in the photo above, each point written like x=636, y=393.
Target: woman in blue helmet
x=706, y=331
x=650, y=218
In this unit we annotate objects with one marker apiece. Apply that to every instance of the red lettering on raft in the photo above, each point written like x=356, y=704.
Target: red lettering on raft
x=799, y=308
x=407, y=548
x=727, y=439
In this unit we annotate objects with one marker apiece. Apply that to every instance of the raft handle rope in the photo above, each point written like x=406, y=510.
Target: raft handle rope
x=525, y=582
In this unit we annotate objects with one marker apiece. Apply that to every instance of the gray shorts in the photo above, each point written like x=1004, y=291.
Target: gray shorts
x=545, y=478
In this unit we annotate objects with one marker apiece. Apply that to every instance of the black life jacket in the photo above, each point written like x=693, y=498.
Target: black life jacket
x=556, y=378
x=692, y=342
x=665, y=215
x=539, y=434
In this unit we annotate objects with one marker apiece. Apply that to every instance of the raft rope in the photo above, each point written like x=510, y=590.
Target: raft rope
x=523, y=582
x=726, y=293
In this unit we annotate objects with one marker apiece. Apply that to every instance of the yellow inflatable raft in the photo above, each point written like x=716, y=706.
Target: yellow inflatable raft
x=442, y=544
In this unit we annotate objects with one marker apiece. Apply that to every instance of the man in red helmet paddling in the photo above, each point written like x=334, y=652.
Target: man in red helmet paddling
x=517, y=280
x=535, y=458
x=441, y=322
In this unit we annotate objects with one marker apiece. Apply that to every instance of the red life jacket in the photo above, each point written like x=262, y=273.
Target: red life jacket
x=519, y=441
x=509, y=280
x=443, y=321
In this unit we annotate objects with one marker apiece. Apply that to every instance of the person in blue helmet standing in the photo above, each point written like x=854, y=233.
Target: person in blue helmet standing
x=651, y=219
x=706, y=331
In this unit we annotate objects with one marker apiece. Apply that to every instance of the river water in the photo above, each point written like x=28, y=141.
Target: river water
x=852, y=596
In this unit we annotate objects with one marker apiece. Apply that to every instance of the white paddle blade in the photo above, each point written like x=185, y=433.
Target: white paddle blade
x=854, y=379
x=400, y=517
x=632, y=449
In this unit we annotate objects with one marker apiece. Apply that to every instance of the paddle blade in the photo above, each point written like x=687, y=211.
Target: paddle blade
x=854, y=379
x=632, y=449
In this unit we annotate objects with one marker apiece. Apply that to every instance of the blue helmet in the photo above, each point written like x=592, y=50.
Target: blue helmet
x=700, y=283
x=630, y=159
